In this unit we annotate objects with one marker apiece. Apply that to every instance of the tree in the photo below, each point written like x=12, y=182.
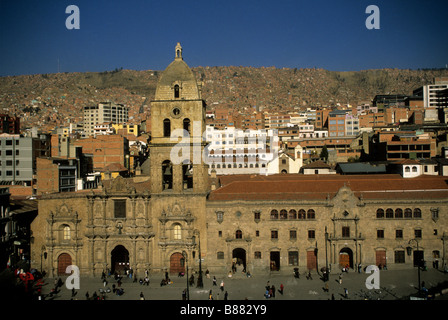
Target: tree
x=324, y=152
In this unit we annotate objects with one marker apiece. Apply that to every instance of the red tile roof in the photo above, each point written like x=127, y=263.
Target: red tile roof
x=318, y=187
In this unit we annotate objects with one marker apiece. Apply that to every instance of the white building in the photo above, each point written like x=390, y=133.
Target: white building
x=236, y=151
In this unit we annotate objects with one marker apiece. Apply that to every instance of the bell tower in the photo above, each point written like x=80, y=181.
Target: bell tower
x=177, y=122
x=179, y=177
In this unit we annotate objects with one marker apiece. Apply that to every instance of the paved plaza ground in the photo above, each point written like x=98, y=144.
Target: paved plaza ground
x=394, y=284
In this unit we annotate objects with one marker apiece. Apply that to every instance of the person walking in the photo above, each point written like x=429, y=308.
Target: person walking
x=281, y=289
x=273, y=291
x=225, y=295
x=214, y=280
x=222, y=285
x=142, y=297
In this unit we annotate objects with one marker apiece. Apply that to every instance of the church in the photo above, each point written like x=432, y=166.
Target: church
x=180, y=216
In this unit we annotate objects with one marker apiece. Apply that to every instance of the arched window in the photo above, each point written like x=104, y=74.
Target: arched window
x=311, y=214
x=398, y=213
x=408, y=213
x=302, y=214
x=166, y=128
x=238, y=234
x=167, y=175
x=407, y=169
x=176, y=91
x=187, y=174
x=274, y=214
x=66, y=233
x=177, y=232
x=417, y=213
x=414, y=169
x=283, y=214
x=380, y=213
x=389, y=213
x=186, y=123
x=292, y=214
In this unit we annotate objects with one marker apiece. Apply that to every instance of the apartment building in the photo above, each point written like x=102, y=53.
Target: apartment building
x=429, y=92
x=342, y=123
x=103, y=113
x=16, y=159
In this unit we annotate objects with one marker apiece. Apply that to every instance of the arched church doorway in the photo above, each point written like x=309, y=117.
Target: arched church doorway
x=120, y=259
x=239, y=259
x=177, y=263
x=64, y=260
x=346, y=257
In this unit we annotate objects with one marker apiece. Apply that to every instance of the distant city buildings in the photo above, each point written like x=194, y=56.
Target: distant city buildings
x=105, y=112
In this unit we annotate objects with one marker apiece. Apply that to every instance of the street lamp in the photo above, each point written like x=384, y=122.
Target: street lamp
x=184, y=255
x=409, y=251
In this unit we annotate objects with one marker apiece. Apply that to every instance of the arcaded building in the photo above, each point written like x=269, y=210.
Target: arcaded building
x=181, y=216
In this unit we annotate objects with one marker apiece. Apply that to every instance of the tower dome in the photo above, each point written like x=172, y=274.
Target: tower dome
x=177, y=81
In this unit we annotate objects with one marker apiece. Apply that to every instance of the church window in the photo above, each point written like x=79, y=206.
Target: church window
x=187, y=175
x=283, y=214
x=311, y=214
x=177, y=232
x=292, y=234
x=418, y=213
x=176, y=91
x=302, y=214
x=238, y=234
x=407, y=213
x=346, y=232
x=389, y=213
x=66, y=233
x=186, y=124
x=166, y=128
x=167, y=175
x=398, y=213
x=380, y=213
x=119, y=209
x=292, y=214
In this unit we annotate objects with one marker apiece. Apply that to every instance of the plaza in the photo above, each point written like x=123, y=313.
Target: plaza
x=394, y=285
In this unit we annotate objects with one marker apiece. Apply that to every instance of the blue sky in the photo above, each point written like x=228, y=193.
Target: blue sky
x=142, y=34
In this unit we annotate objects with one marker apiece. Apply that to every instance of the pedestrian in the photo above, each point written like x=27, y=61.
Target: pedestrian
x=214, y=280
x=273, y=291
x=225, y=295
x=340, y=279
x=87, y=295
x=184, y=294
x=207, y=274
x=332, y=296
x=210, y=295
x=346, y=293
x=142, y=297
x=104, y=282
x=222, y=285
x=281, y=289
x=326, y=287
x=266, y=294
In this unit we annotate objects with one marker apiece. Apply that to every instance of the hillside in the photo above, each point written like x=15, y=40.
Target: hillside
x=49, y=100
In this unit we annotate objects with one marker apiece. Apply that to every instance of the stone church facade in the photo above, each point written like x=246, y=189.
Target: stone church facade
x=179, y=216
